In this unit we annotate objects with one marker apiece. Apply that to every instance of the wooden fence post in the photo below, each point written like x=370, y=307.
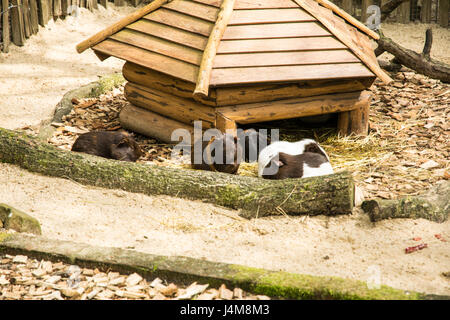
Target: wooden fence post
x=5, y=25
x=17, y=28
x=365, y=4
x=405, y=11
x=347, y=5
x=443, y=13
x=426, y=11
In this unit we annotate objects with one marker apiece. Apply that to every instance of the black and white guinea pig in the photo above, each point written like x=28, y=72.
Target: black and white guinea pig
x=252, y=142
x=225, y=143
x=301, y=159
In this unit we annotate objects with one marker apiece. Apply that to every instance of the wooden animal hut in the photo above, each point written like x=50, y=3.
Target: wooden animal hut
x=230, y=62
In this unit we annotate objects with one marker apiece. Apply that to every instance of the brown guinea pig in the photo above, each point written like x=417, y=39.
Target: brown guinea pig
x=252, y=142
x=307, y=164
x=225, y=144
x=118, y=145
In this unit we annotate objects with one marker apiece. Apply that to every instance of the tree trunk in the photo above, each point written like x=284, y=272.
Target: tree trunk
x=422, y=63
x=387, y=8
x=328, y=195
x=433, y=205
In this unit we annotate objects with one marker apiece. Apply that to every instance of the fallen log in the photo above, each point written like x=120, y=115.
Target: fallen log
x=433, y=205
x=420, y=62
x=328, y=195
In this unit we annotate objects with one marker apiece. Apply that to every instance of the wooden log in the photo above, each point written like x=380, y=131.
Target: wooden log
x=5, y=26
x=225, y=124
x=426, y=11
x=151, y=124
x=210, y=51
x=44, y=13
x=157, y=80
x=355, y=121
x=34, y=21
x=443, y=13
x=433, y=205
x=294, y=108
x=328, y=195
x=347, y=17
x=17, y=27
x=269, y=92
x=416, y=61
x=180, y=109
x=388, y=7
x=100, y=36
x=104, y=3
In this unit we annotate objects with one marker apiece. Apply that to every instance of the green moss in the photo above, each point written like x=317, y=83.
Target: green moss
x=107, y=83
x=4, y=236
x=297, y=286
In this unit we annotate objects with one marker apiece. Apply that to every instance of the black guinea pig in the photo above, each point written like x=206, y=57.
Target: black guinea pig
x=227, y=149
x=307, y=164
x=118, y=145
x=252, y=142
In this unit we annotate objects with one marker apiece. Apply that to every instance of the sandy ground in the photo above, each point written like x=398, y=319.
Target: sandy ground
x=33, y=79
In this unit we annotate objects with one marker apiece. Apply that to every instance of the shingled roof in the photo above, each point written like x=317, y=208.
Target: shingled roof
x=263, y=41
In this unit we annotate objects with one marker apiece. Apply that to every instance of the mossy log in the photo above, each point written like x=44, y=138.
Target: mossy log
x=328, y=195
x=433, y=205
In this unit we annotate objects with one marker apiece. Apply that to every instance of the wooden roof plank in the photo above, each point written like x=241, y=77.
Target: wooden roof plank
x=264, y=4
x=176, y=35
x=194, y=9
x=283, y=58
x=181, y=21
x=332, y=24
x=119, y=25
x=155, y=61
x=347, y=17
x=275, y=30
x=158, y=45
x=238, y=76
x=279, y=45
x=269, y=16
x=214, y=3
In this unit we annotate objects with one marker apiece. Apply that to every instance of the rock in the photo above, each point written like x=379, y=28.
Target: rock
x=133, y=279
x=19, y=221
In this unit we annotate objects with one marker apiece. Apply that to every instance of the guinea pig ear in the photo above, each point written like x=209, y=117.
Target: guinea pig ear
x=279, y=163
x=123, y=143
